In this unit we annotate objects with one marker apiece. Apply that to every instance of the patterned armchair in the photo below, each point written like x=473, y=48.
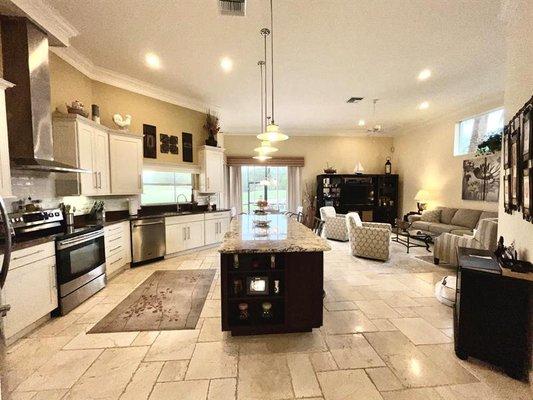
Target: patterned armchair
x=334, y=224
x=368, y=239
x=485, y=237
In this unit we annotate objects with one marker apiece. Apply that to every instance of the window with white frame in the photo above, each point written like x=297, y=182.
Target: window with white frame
x=164, y=187
x=471, y=132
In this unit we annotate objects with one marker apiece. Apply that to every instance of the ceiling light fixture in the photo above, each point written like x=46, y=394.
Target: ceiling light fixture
x=226, y=64
x=423, y=106
x=152, y=60
x=424, y=74
x=272, y=133
x=265, y=148
x=361, y=122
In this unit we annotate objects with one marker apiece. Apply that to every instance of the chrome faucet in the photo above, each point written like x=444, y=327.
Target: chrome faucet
x=178, y=202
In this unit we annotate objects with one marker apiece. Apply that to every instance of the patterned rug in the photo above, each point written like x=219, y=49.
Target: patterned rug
x=166, y=300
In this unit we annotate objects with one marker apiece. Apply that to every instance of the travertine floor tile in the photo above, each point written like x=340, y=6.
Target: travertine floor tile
x=412, y=394
x=142, y=382
x=376, y=309
x=344, y=385
x=101, y=340
x=145, y=338
x=420, y=331
x=222, y=389
x=109, y=374
x=304, y=381
x=440, y=316
x=173, y=371
x=213, y=360
x=184, y=390
x=342, y=322
x=340, y=305
x=353, y=351
x=470, y=391
x=284, y=343
x=211, y=331
x=264, y=377
x=323, y=361
x=173, y=345
x=61, y=371
x=212, y=308
x=384, y=379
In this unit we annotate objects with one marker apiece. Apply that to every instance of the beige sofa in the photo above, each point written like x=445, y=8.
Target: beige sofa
x=458, y=221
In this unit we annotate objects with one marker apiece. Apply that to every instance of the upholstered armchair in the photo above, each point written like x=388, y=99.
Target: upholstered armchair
x=368, y=239
x=334, y=224
x=485, y=237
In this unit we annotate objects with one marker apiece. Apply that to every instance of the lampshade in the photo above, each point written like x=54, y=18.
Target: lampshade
x=261, y=157
x=422, y=196
x=265, y=148
x=272, y=134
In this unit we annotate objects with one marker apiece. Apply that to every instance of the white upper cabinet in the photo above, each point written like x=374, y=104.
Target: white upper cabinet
x=84, y=144
x=5, y=172
x=126, y=157
x=212, y=169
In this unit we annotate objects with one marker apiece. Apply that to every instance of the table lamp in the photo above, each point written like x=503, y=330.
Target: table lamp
x=421, y=197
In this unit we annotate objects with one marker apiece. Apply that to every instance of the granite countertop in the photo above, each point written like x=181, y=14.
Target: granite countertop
x=285, y=235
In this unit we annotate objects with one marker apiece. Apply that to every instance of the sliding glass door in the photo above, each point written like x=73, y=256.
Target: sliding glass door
x=264, y=183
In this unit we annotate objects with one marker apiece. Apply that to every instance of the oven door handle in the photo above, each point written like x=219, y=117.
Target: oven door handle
x=64, y=244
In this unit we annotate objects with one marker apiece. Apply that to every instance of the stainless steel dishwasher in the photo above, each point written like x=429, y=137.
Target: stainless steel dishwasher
x=147, y=239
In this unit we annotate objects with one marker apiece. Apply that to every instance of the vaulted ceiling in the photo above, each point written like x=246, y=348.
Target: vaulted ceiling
x=325, y=52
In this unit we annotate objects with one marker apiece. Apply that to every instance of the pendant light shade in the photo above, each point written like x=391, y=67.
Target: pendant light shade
x=261, y=157
x=265, y=148
x=272, y=134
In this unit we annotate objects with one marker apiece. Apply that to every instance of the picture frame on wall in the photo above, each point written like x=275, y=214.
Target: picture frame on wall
x=507, y=192
x=526, y=193
x=515, y=178
x=149, y=141
x=505, y=146
x=527, y=135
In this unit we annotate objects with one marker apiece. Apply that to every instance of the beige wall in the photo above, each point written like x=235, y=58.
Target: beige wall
x=425, y=160
x=340, y=151
x=69, y=84
x=518, y=89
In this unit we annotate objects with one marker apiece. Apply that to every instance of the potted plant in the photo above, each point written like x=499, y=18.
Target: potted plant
x=309, y=200
x=212, y=126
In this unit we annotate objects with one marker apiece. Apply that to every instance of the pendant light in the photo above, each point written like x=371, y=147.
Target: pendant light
x=263, y=150
x=272, y=132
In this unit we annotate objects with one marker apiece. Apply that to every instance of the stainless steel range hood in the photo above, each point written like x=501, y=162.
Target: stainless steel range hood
x=29, y=117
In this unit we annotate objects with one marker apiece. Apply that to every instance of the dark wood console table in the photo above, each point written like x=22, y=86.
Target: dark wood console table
x=493, y=318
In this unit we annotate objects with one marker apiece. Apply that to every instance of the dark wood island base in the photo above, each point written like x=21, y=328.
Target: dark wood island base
x=271, y=276
x=293, y=287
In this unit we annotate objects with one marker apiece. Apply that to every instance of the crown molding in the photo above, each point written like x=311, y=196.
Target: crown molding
x=60, y=31
x=104, y=75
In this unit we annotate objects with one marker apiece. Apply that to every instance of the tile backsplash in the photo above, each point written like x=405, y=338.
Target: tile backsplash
x=41, y=186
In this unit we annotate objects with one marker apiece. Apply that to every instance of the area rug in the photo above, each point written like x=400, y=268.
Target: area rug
x=166, y=300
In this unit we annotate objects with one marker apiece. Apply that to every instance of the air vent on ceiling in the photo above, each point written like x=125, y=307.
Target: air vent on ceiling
x=232, y=7
x=354, y=99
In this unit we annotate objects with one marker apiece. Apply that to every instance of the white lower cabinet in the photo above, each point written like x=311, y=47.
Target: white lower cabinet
x=30, y=288
x=117, y=246
x=216, y=226
x=187, y=232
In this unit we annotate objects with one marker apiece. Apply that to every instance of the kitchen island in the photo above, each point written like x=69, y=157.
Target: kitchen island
x=271, y=277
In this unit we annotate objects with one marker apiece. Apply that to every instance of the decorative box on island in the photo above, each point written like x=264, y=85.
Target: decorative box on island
x=272, y=280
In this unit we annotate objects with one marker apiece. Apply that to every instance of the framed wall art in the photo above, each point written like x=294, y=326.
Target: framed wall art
x=164, y=146
x=186, y=140
x=514, y=160
x=527, y=127
x=173, y=145
x=481, y=178
x=526, y=193
x=149, y=141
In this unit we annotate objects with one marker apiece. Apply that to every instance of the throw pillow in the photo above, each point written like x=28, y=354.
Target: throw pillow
x=431, y=216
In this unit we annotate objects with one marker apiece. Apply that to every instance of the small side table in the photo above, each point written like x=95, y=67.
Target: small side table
x=405, y=236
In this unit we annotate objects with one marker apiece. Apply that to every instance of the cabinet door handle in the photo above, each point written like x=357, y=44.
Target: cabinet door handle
x=208, y=182
x=100, y=179
x=140, y=181
x=189, y=232
x=95, y=180
x=184, y=233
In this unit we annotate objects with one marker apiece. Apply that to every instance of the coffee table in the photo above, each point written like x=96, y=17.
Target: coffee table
x=405, y=236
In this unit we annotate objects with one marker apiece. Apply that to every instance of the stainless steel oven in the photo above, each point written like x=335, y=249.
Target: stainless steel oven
x=80, y=266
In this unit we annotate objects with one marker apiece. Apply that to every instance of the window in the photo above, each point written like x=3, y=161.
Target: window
x=264, y=183
x=163, y=187
x=469, y=133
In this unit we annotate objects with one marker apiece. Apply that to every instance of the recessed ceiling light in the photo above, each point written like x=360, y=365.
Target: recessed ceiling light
x=226, y=64
x=424, y=74
x=423, y=106
x=361, y=122
x=152, y=60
